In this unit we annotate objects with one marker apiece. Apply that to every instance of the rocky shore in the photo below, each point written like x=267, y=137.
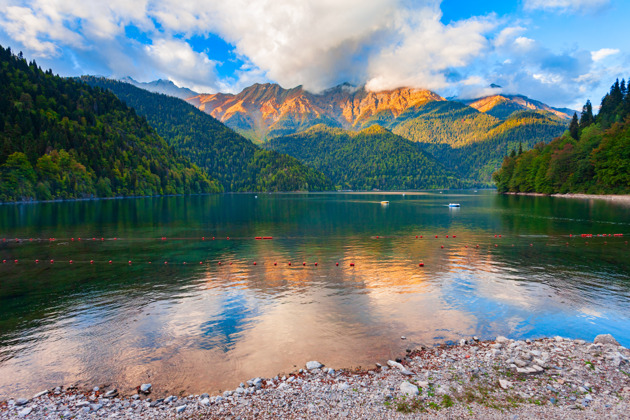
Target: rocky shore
x=544, y=378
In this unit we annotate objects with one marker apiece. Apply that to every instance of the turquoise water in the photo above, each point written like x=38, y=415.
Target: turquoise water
x=195, y=325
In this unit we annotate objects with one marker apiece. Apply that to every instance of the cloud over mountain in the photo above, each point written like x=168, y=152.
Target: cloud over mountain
x=315, y=43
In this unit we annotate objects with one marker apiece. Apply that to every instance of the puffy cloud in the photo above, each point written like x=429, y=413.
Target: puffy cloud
x=565, y=6
x=603, y=53
x=315, y=43
x=184, y=66
x=424, y=50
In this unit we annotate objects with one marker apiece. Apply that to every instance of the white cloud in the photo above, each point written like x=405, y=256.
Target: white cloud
x=184, y=66
x=425, y=49
x=603, y=53
x=566, y=6
x=315, y=43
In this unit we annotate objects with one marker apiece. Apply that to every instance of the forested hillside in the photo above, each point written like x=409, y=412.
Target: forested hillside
x=374, y=158
x=60, y=138
x=593, y=156
x=470, y=142
x=236, y=162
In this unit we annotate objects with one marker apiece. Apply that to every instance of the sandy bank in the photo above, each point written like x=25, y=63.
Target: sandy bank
x=546, y=378
x=615, y=198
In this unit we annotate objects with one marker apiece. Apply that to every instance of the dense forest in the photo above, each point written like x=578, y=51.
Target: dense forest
x=236, y=162
x=62, y=139
x=373, y=158
x=470, y=142
x=592, y=156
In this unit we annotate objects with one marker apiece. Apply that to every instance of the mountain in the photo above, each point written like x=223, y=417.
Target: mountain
x=592, y=157
x=236, y=162
x=165, y=87
x=469, y=138
x=502, y=106
x=64, y=139
x=470, y=142
x=262, y=111
x=373, y=158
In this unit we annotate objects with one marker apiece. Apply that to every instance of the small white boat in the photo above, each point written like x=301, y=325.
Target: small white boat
x=384, y=203
x=453, y=204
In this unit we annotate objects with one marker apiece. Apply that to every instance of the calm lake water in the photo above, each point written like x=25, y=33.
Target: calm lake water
x=186, y=326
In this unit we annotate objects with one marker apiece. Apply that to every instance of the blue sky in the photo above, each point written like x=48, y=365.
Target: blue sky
x=561, y=52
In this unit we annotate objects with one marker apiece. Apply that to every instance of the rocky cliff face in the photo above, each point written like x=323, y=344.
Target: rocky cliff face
x=264, y=110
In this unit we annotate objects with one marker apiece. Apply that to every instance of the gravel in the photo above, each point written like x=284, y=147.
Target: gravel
x=503, y=379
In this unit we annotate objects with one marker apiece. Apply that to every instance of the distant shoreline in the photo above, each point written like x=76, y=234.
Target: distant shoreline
x=608, y=197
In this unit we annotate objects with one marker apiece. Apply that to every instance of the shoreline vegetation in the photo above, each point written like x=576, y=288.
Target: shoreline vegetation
x=591, y=157
x=502, y=378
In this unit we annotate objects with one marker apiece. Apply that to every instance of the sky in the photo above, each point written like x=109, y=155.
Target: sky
x=561, y=52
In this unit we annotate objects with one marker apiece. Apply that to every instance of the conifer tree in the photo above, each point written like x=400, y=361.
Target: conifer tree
x=574, y=127
x=586, y=118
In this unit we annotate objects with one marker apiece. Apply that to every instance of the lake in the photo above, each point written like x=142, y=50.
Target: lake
x=189, y=313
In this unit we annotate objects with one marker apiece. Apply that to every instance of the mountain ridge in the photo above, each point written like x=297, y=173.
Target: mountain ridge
x=266, y=110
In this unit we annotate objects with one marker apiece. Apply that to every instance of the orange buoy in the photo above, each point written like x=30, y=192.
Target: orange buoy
x=337, y=264
x=219, y=263
x=91, y=261
x=442, y=246
x=416, y=236
x=36, y=261
x=52, y=261
x=446, y=236
x=200, y=262
x=420, y=236
x=421, y=265
x=315, y=264
x=454, y=236
x=275, y=263
x=304, y=263
x=289, y=263
x=436, y=236
x=110, y=261
x=70, y=261
x=130, y=262
x=254, y=262
x=351, y=264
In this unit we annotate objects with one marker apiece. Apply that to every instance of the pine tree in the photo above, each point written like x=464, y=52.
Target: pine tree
x=574, y=127
x=586, y=118
x=520, y=148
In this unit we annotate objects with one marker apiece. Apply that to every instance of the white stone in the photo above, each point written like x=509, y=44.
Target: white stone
x=180, y=409
x=394, y=364
x=409, y=389
x=146, y=388
x=25, y=412
x=505, y=384
x=205, y=401
x=501, y=339
x=39, y=394
x=313, y=365
x=605, y=339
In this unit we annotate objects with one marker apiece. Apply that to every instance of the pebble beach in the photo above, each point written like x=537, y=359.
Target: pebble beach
x=544, y=378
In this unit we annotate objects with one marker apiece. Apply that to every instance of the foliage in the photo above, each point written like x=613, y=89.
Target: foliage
x=470, y=142
x=594, y=157
x=374, y=158
x=236, y=162
x=63, y=139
